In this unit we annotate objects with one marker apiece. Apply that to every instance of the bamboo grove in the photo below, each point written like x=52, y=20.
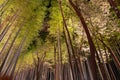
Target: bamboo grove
x=59, y=40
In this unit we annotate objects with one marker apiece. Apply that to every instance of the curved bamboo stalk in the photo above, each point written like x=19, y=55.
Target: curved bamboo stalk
x=9, y=50
x=93, y=65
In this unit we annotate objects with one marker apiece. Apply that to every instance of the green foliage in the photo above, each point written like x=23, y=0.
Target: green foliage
x=43, y=35
x=35, y=14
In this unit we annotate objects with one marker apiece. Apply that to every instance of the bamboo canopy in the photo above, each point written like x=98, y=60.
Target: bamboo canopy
x=59, y=40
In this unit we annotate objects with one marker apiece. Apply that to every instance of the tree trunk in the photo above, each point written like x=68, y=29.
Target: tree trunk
x=93, y=65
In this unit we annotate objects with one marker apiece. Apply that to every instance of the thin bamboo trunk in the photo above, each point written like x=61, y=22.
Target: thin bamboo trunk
x=14, y=17
x=9, y=50
x=112, y=55
x=93, y=64
x=114, y=7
